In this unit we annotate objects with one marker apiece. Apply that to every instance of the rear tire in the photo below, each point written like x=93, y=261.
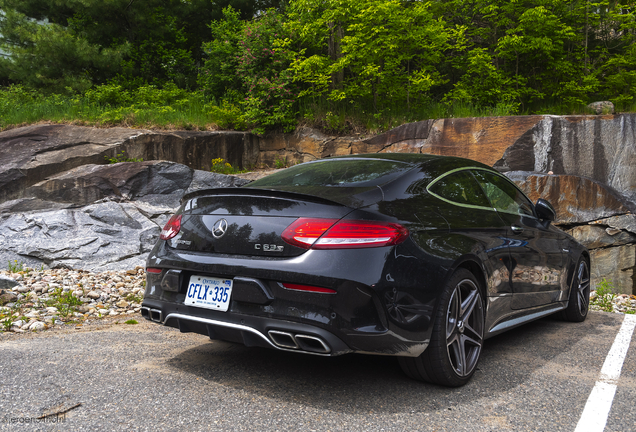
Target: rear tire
x=579, y=299
x=457, y=338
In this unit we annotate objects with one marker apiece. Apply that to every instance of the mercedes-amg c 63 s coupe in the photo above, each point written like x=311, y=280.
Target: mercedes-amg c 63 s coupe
x=416, y=256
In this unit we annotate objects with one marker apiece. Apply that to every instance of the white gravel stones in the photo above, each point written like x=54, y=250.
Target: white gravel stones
x=122, y=304
x=50, y=297
x=620, y=303
x=18, y=323
x=37, y=326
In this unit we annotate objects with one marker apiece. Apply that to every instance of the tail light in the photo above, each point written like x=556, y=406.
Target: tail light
x=154, y=270
x=172, y=228
x=310, y=233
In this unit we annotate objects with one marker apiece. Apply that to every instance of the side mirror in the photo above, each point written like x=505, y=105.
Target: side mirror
x=545, y=210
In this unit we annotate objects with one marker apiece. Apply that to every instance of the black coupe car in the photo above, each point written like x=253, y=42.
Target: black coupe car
x=417, y=256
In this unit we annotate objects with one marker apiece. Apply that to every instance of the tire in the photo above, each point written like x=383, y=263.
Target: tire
x=458, y=332
x=579, y=298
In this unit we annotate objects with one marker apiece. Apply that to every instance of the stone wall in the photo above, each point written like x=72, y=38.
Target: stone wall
x=584, y=165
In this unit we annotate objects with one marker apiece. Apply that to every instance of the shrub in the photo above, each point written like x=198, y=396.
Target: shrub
x=604, y=298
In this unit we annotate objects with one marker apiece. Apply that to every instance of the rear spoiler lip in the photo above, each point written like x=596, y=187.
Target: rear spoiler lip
x=247, y=191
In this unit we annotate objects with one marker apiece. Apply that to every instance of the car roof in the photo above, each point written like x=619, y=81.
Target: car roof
x=423, y=168
x=437, y=163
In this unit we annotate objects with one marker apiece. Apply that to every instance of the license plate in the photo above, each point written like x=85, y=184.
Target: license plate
x=208, y=292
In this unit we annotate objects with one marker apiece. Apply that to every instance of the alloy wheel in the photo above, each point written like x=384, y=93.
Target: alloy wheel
x=464, y=327
x=583, y=288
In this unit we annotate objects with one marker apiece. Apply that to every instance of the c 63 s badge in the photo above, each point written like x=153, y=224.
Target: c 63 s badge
x=268, y=247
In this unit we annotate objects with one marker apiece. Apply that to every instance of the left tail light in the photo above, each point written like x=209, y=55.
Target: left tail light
x=153, y=270
x=171, y=228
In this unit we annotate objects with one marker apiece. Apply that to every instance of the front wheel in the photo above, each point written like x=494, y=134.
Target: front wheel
x=579, y=299
x=457, y=338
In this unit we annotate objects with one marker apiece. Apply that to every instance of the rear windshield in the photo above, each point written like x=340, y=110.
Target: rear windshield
x=336, y=173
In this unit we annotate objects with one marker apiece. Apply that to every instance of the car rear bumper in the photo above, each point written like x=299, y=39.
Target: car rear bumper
x=253, y=331
x=360, y=317
x=280, y=334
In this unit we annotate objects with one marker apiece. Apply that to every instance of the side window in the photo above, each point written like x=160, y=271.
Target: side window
x=461, y=188
x=503, y=195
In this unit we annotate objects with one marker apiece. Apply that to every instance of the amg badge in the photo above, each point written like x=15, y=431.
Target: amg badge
x=268, y=247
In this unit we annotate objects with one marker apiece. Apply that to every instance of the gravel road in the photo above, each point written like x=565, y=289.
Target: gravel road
x=114, y=376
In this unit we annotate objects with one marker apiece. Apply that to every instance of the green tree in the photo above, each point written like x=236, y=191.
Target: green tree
x=73, y=66
x=535, y=53
x=219, y=75
x=151, y=41
x=550, y=51
x=264, y=67
x=374, y=51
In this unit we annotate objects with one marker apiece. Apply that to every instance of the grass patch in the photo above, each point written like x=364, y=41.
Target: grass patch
x=282, y=163
x=121, y=158
x=134, y=298
x=65, y=302
x=108, y=105
x=173, y=108
x=221, y=166
x=604, y=298
x=15, y=266
x=131, y=321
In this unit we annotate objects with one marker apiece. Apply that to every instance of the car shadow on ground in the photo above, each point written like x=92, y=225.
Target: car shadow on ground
x=361, y=383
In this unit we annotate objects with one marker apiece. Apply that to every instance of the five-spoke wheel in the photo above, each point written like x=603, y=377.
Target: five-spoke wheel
x=464, y=327
x=579, y=300
x=457, y=338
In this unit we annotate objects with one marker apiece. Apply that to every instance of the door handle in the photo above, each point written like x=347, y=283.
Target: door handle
x=516, y=229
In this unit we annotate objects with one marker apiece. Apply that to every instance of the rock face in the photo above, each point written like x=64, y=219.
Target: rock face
x=484, y=139
x=33, y=153
x=596, y=216
x=154, y=182
x=56, y=190
x=575, y=199
x=114, y=214
x=602, y=148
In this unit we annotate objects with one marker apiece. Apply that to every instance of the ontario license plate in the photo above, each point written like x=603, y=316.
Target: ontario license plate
x=208, y=292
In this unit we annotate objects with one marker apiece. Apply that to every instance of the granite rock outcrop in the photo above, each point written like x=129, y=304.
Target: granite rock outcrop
x=54, y=175
x=98, y=216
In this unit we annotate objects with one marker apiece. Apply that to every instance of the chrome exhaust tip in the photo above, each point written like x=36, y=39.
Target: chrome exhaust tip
x=156, y=315
x=283, y=339
x=312, y=344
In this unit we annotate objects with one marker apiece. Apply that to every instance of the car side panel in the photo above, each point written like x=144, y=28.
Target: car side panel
x=537, y=261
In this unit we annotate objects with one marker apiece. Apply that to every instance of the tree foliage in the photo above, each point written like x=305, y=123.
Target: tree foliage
x=92, y=41
x=260, y=62
x=374, y=50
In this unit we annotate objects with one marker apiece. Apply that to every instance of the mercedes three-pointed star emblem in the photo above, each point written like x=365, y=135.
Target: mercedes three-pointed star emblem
x=220, y=228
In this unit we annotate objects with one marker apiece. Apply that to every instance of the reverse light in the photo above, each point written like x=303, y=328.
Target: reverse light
x=309, y=233
x=172, y=228
x=308, y=288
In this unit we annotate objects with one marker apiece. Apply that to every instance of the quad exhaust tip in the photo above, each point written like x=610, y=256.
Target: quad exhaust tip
x=299, y=342
x=151, y=314
x=282, y=339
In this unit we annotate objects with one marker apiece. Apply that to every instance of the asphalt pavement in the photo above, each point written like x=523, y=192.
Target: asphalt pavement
x=114, y=376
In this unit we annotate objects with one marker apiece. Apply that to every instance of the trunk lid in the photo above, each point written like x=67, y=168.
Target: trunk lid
x=248, y=222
